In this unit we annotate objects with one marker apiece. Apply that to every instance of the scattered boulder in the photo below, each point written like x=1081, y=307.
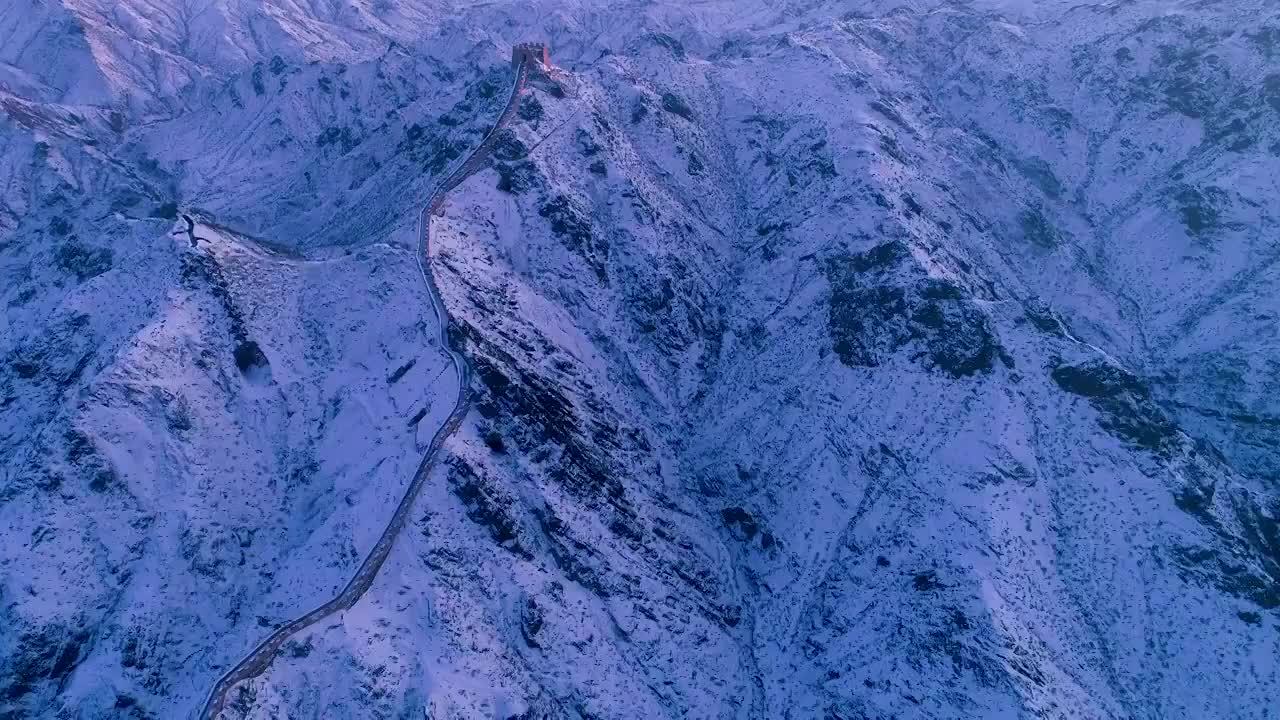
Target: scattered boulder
x=676, y=105
x=251, y=361
x=740, y=522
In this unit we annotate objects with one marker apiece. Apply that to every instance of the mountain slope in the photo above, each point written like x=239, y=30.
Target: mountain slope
x=832, y=360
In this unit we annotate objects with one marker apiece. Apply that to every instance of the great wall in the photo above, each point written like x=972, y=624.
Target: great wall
x=524, y=58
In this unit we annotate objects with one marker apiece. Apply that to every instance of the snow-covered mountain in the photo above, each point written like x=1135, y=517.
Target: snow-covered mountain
x=832, y=359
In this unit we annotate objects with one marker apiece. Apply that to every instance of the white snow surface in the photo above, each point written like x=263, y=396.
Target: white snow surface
x=859, y=359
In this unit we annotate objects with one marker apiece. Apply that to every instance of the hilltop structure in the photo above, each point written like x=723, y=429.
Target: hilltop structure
x=531, y=51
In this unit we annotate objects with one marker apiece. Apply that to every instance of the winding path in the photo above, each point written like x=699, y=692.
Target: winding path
x=257, y=661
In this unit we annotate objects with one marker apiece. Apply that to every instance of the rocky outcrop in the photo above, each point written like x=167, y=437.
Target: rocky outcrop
x=883, y=304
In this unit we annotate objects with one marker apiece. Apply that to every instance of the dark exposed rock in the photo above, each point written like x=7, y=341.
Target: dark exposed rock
x=166, y=211
x=58, y=226
x=889, y=113
x=1248, y=563
x=1184, y=76
x=1044, y=320
x=24, y=368
x=1199, y=209
x=587, y=145
x=487, y=506
x=508, y=147
x=771, y=228
x=531, y=621
x=1124, y=402
x=740, y=522
x=926, y=581
x=670, y=43
x=493, y=439
x=1228, y=574
x=570, y=225
x=41, y=655
x=250, y=360
x=1037, y=230
x=1233, y=134
x=58, y=355
x=640, y=111
x=436, y=151
x=1271, y=91
x=676, y=105
x=104, y=479
x=340, y=137
x=516, y=178
x=695, y=166
x=881, y=257
x=530, y=110
x=259, y=88
x=625, y=526
x=567, y=222
x=1039, y=172
x=537, y=417
x=882, y=303
x=579, y=561
x=249, y=357
x=400, y=371
x=731, y=615
x=300, y=649
x=487, y=88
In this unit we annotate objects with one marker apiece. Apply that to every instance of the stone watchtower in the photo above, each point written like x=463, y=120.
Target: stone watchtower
x=532, y=52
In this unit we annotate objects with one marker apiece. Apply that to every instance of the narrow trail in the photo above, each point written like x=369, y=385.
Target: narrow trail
x=260, y=658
